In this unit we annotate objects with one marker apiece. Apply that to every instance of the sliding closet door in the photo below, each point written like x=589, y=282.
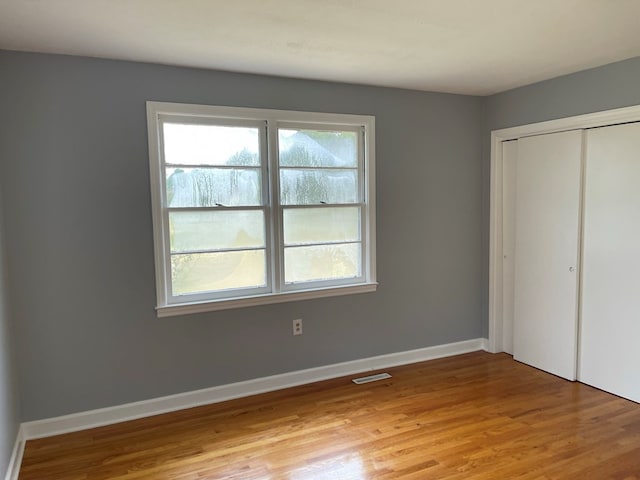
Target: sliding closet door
x=509, y=168
x=548, y=190
x=610, y=327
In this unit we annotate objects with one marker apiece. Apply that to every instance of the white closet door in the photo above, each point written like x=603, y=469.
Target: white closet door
x=610, y=326
x=509, y=166
x=547, y=238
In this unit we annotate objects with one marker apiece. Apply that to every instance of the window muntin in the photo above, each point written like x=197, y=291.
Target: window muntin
x=260, y=204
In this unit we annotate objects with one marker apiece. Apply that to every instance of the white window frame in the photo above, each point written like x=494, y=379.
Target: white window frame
x=276, y=291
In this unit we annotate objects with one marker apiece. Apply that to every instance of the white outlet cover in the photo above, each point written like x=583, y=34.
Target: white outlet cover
x=297, y=326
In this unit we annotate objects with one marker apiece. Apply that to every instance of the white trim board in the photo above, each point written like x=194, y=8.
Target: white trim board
x=146, y=408
x=589, y=120
x=13, y=469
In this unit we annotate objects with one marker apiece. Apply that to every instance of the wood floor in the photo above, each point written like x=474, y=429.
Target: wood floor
x=474, y=416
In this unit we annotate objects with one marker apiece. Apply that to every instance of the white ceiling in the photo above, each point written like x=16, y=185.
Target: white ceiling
x=461, y=46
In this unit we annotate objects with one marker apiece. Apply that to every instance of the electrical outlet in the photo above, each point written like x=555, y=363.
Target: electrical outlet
x=297, y=326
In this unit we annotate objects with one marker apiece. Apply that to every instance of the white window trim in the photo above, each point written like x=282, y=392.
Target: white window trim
x=367, y=283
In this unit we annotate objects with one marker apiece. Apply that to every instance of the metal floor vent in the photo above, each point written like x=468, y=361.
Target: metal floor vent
x=371, y=378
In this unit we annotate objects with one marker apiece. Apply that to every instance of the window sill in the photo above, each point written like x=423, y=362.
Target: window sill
x=226, y=304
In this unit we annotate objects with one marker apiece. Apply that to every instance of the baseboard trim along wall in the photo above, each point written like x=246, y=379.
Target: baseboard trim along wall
x=13, y=469
x=146, y=408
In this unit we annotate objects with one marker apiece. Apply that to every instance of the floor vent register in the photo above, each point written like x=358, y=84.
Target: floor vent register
x=371, y=378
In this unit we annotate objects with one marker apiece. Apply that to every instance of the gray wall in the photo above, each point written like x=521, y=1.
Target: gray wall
x=9, y=414
x=76, y=181
x=604, y=88
x=74, y=174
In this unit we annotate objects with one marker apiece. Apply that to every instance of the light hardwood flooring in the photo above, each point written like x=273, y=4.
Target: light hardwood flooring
x=473, y=416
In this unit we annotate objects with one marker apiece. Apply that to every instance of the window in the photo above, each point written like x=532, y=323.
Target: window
x=258, y=206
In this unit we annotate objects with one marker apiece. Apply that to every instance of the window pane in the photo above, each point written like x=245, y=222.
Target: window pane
x=320, y=225
x=206, y=187
x=206, y=272
x=317, y=148
x=216, y=230
x=322, y=262
x=210, y=145
x=304, y=187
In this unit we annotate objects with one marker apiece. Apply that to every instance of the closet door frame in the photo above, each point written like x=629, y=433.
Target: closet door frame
x=591, y=120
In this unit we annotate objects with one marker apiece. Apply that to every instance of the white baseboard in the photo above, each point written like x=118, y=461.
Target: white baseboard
x=13, y=469
x=155, y=406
